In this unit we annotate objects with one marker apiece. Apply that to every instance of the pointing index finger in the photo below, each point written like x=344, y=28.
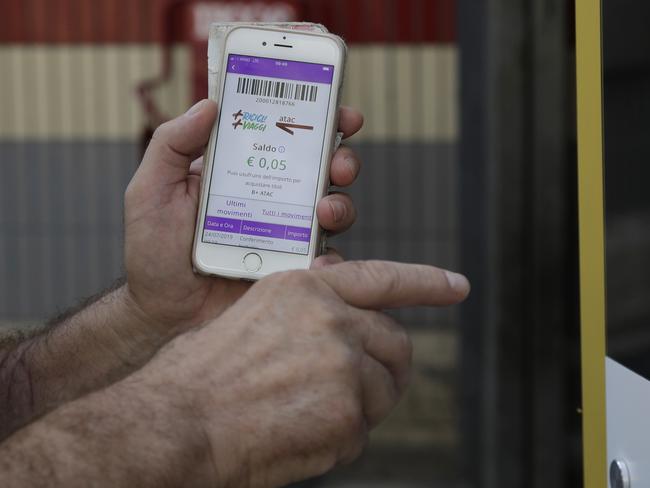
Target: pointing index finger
x=383, y=284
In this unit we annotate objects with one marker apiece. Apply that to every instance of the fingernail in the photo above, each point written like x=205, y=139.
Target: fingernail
x=352, y=166
x=329, y=260
x=338, y=209
x=195, y=108
x=458, y=282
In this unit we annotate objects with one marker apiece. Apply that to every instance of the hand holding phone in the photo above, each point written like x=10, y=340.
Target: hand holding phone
x=160, y=210
x=267, y=164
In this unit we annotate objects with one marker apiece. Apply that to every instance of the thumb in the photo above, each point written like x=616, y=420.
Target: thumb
x=176, y=143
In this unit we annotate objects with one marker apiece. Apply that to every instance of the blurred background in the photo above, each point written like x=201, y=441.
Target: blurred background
x=469, y=151
x=626, y=60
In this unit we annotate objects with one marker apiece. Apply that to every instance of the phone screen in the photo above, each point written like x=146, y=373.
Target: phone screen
x=270, y=141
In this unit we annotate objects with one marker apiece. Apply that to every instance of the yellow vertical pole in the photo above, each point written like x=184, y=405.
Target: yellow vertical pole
x=592, y=239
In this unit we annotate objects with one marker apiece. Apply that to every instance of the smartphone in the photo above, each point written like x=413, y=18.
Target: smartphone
x=267, y=162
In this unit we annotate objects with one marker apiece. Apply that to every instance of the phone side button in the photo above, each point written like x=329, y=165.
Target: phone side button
x=322, y=249
x=252, y=262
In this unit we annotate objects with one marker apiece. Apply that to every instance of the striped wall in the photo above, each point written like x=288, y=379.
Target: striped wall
x=84, y=91
x=70, y=139
x=408, y=93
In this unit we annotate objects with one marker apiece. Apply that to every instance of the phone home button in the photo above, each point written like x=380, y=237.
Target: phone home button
x=252, y=262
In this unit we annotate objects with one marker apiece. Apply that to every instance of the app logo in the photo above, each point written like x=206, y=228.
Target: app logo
x=249, y=121
x=237, y=116
x=287, y=124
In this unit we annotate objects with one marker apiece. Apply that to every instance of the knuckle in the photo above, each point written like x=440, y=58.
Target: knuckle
x=405, y=363
x=389, y=278
x=349, y=417
x=404, y=345
x=128, y=193
x=339, y=361
x=355, y=448
x=338, y=367
x=133, y=194
x=162, y=138
x=327, y=461
x=308, y=283
x=161, y=132
x=341, y=415
x=330, y=315
x=292, y=279
x=394, y=279
x=360, y=269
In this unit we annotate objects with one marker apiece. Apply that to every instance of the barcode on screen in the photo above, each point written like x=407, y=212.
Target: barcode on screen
x=277, y=89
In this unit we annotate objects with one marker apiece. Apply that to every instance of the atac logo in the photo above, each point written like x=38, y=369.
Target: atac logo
x=249, y=121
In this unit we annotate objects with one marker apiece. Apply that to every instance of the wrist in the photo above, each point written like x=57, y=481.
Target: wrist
x=211, y=422
x=161, y=444
x=131, y=335
x=168, y=316
x=143, y=321
x=200, y=439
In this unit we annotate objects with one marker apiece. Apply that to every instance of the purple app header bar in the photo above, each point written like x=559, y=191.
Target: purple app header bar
x=280, y=68
x=263, y=229
x=252, y=228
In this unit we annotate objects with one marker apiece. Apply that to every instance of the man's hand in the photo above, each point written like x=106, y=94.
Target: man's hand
x=281, y=387
x=161, y=203
x=287, y=383
x=112, y=335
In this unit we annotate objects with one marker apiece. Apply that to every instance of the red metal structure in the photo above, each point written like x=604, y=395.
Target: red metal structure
x=168, y=22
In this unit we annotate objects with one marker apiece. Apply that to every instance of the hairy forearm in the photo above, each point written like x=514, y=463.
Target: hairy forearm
x=83, y=351
x=125, y=435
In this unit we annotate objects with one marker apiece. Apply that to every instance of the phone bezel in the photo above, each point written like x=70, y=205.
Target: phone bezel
x=227, y=261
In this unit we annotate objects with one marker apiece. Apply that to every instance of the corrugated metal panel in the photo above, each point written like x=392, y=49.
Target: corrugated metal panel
x=60, y=221
x=85, y=91
x=407, y=92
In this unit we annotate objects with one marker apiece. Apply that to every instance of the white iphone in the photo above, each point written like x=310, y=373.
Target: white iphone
x=267, y=163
